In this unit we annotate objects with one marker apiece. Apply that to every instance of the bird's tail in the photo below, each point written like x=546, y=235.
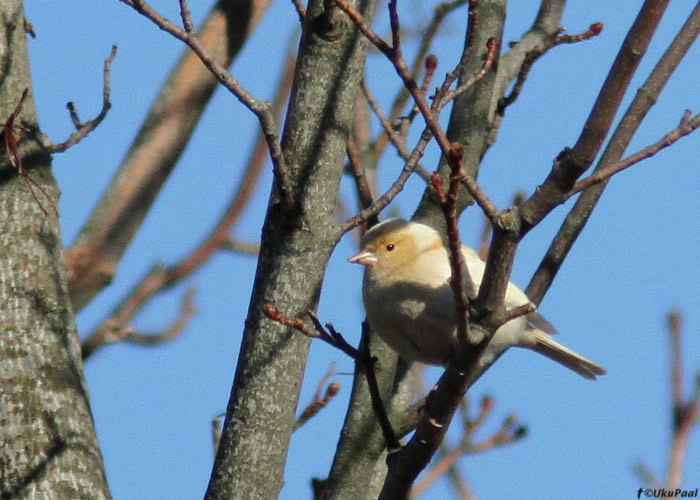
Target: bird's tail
x=545, y=345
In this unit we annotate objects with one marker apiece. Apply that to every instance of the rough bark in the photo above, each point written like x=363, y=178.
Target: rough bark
x=297, y=240
x=49, y=447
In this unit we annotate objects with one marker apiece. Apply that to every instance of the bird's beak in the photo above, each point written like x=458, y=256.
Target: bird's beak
x=364, y=257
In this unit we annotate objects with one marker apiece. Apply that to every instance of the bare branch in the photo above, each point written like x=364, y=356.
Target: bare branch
x=159, y=278
x=509, y=432
x=571, y=163
x=685, y=412
x=241, y=247
x=381, y=202
x=83, y=129
x=583, y=208
x=260, y=108
x=535, y=54
x=645, y=475
x=103, y=239
x=687, y=126
x=490, y=209
x=421, y=58
x=364, y=191
x=186, y=17
x=395, y=138
x=319, y=402
x=362, y=356
x=187, y=310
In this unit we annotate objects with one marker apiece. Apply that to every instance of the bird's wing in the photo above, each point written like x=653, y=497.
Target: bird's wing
x=538, y=322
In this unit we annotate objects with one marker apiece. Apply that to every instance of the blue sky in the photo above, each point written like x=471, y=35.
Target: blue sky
x=636, y=260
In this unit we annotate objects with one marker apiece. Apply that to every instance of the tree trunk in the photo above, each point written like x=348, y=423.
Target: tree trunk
x=49, y=447
x=297, y=241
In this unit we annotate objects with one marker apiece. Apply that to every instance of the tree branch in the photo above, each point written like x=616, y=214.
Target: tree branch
x=83, y=129
x=583, y=208
x=93, y=256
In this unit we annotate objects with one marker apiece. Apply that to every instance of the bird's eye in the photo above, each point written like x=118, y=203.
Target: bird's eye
x=390, y=247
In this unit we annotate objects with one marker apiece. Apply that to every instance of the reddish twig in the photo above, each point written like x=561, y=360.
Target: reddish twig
x=457, y=261
x=398, y=185
x=489, y=208
x=449, y=95
x=241, y=247
x=329, y=335
x=95, y=254
x=429, y=113
x=364, y=192
x=536, y=53
x=83, y=129
x=421, y=58
x=117, y=329
x=319, y=402
x=187, y=311
x=362, y=356
x=9, y=141
x=685, y=411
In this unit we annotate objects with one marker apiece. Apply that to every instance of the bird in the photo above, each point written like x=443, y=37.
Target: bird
x=409, y=302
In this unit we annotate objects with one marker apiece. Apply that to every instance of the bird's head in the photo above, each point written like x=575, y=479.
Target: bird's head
x=395, y=243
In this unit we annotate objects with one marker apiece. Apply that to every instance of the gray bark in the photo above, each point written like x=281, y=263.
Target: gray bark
x=296, y=243
x=49, y=447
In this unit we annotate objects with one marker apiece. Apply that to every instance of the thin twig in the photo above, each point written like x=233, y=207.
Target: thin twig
x=685, y=412
x=535, y=54
x=509, y=432
x=261, y=108
x=187, y=311
x=645, y=475
x=319, y=402
x=572, y=162
x=687, y=126
x=458, y=263
x=186, y=17
x=395, y=138
x=83, y=129
x=9, y=141
x=330, y=336
x=397, y=186
x=364, y=191
x=629, y=124
x=160, y=278
x=94, y=255
x=429, y=113
x=489, y=208
x=241, y=247
x=421, y=58
x=362, y=356
x=117, y=328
